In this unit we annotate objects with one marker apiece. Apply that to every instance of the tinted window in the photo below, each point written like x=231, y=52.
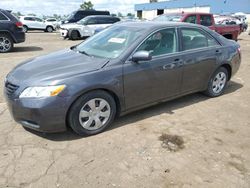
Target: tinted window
x=107, y=20
x=102, y=21
x=29, y=18
x=206, y=20
x=191, y=19
x=3, y=17
x=194, y=38
x=161, y=42
x=92, y=21
x=51, y=20
x=38, y=20
x=79, y=15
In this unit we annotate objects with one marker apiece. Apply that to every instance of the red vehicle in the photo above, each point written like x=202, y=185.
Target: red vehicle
x=206, y=19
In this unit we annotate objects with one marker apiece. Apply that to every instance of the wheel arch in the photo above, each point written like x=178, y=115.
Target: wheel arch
x=78, y=32
x=228, y=68
x=110, y=92
x=9, y=34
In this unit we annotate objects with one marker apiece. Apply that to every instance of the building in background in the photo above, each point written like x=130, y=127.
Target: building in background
x=151, y=10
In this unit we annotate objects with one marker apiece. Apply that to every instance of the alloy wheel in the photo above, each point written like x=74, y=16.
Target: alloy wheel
x=5, y=44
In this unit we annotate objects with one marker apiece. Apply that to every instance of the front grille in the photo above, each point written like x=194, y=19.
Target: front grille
x=10, y=88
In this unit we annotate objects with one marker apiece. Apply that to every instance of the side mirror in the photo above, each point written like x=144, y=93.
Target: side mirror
x=141, y=56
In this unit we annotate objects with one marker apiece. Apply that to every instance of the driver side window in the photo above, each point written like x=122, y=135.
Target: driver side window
x=160, y=43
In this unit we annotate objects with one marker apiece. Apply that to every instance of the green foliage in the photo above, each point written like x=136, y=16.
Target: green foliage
x=87, y=5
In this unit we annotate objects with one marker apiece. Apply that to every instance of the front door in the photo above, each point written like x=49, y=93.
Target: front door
x=146, y=82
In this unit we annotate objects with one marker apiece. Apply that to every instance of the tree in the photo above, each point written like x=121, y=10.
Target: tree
x=153, y=1
x=113, y=15
x=87, y=5
x=119, y=14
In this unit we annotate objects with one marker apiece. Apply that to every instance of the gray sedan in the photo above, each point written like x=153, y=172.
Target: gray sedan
x=124, y=68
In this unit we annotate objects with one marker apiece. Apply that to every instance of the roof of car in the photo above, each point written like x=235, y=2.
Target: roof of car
x=101, y=16
x=156, y=24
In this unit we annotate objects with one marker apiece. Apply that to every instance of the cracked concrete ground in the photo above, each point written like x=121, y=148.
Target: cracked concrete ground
x=215, y=133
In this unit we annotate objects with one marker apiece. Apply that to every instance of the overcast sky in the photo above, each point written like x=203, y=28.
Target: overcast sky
x=50, y=7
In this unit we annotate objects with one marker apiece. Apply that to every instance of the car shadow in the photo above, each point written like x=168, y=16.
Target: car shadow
x=165, y=107
x=27, y=49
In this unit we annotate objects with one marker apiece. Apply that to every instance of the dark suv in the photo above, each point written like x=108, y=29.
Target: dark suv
x=11, y=31
x=80, y=14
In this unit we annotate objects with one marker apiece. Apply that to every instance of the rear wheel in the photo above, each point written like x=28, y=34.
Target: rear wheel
x=217, y=83
x=6, y=43
x=74, y=35
x=92, y=113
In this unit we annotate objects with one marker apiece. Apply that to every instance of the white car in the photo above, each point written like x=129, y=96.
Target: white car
x=35, y=23
x=87, y=26
x=53, y=21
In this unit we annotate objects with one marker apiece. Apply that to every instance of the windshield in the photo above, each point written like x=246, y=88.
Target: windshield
x=82, y=21
x=71, y=15
x=172, y=18
x=110, y=43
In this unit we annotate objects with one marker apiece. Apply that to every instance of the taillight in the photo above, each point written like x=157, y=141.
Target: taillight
x=238, y=50
x=19, y=24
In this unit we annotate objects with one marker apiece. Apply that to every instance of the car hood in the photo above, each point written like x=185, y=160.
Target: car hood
x=71, y=25
x=54, y=67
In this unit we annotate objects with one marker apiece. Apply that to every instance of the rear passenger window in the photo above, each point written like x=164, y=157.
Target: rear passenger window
x=194, y=38
x=206, y=20
x=191, y=19
x=160, y=43
x=3, y=17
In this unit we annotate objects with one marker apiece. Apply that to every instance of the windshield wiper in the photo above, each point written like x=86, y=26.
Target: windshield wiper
x=83, y=52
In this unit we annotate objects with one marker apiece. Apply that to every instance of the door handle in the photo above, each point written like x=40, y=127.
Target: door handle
x=169, y=66
x=218, y=51
x=175, y=63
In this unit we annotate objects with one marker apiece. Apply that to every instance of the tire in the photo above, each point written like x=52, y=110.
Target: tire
x=86, y=117
x=49, y=29
x=74, y=35
x=25, y=28
x=217, y=83
x=6, y=43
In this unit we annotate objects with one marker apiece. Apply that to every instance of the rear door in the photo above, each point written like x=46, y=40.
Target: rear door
x=30, y=22
x=40, y=24
x=200, y=53
x=150, y=81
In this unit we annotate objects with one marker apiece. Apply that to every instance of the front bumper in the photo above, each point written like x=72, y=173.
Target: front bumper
x=42, y=114
x=64, y=33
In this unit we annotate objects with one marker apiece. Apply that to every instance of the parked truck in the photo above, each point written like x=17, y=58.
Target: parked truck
x=206, y=19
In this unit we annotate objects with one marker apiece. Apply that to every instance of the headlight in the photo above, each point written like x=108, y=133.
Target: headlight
x=44, y=91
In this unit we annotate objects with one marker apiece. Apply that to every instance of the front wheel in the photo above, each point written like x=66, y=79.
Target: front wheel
x=25, y=29
x=49, y=29
x=74, y=35
x=92, y=113
x=217, y=83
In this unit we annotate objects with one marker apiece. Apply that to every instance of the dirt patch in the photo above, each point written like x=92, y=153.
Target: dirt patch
x=172, y=142
x=238, y=166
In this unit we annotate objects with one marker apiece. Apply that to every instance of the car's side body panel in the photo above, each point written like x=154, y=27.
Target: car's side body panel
x=134, y=85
